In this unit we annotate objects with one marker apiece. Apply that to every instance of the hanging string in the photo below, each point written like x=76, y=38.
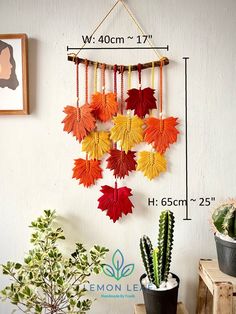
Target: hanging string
x=103, y=77
x=122, y=89
x=129, y=85
x=105, y=17
x=115, y=92
x=115, y=80
x=140, y=28
x=87, y=164
x=77, y=91
x=86, y=81
x=95, y=77
x=129, y=77
x=153, y=81
x=133, y=19
x=160, y=90
x=161, y=96
x=139, y=75
x=153, y=75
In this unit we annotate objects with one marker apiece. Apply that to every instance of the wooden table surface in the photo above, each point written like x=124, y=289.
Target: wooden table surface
x=140, y=309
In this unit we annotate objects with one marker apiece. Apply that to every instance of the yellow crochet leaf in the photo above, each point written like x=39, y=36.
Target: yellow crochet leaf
x=151, y=164
x=127, y=130
x=96, y=144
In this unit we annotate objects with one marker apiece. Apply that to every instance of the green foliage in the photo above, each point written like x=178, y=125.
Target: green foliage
x=157, y=261
x=47, y=282
x=224, y=219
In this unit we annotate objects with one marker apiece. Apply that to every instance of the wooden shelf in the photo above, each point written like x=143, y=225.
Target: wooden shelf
x=216, y=290
x=140, y=309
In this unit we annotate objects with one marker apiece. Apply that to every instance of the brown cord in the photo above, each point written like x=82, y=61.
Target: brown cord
x=115, y=80
x=139, y=74
x=122, y=89
x=86, y=81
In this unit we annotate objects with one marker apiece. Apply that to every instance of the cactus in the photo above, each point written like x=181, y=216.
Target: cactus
x=146, y=253
x=224, y=219
x=165, y=243
x=157, y=261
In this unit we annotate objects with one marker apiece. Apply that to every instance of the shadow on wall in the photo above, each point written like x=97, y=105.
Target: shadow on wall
x=32, y=70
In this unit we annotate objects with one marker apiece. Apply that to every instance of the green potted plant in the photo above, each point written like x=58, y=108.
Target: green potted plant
x=47, y=282
x=224, y=221
x=159, y=286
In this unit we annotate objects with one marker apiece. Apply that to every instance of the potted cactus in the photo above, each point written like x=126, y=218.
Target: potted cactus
x=224, y=220
x=159, y=286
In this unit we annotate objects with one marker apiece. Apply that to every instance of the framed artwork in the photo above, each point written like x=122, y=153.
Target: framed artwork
x=13, y=74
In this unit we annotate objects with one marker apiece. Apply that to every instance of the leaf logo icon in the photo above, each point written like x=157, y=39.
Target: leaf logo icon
x=118, y=270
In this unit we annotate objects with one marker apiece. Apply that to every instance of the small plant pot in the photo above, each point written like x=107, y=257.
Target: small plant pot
x=160, y=302
x=226, y=252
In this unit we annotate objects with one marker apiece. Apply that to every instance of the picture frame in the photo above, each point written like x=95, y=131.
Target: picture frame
x=14, y=98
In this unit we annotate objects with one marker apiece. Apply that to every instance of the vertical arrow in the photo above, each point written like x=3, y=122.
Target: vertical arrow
x=186, y=136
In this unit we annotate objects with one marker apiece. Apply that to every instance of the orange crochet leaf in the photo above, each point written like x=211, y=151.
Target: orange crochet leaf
x=141, y=100
x=121, y=162
x=104, y=106
x=96, y=144
x=79, y=121
x=161, y=132
x=115, y=201
x=87, y=171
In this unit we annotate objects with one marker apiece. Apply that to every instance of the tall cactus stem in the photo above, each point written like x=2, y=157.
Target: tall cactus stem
x=165, y=243
x=146, y=254
x=155, y=256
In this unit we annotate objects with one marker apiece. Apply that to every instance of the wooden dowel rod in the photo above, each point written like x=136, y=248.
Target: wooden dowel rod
x=111, y=67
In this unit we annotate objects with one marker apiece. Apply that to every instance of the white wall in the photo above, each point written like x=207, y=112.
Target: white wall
x=37, y=156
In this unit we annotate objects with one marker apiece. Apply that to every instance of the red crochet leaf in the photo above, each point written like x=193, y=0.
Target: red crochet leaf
x=79, y=123
x=161, y=133
x=116, y=201
x=141, y=100
x=87, y=171
x=104, y=106
x=121, y=162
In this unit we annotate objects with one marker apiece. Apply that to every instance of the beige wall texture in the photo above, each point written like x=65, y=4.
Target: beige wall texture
x=37, y=156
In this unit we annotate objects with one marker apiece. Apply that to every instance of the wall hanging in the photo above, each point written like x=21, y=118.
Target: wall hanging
x=110, y=125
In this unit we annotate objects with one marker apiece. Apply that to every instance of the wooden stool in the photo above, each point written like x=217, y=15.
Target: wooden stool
x=140, y=309
x=216, y=290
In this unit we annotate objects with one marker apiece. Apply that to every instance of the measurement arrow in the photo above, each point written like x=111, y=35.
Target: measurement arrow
x=118, y=48
x=186, y=135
